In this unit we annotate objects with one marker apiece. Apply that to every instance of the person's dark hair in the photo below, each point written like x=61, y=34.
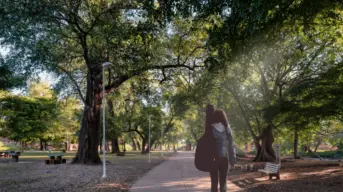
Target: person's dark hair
x=220, y=117
x=209, y=118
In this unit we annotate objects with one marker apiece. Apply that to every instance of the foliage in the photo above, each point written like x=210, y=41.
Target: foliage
x=269, y=64
x=326, y=154
x=8, y=79
x=4, y=147
x=26, y=118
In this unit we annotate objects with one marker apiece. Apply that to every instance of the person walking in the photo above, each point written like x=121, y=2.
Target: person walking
x=225, y=151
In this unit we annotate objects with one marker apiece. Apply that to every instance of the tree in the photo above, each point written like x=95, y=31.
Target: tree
x=74, y=37
x=67, y=122
x=26, y=118
x=8, y=78
x=38, y=89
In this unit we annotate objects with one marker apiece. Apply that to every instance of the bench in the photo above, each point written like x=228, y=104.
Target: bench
x=272, y=170
x=15, y=156
x=55, y=159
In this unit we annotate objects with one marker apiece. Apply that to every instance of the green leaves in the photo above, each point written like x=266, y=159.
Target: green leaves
x=8, y=79
x=26, y=118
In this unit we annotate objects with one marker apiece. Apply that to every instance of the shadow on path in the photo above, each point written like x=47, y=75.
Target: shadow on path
x=177, y=174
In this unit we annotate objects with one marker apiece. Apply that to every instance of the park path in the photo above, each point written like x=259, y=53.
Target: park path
x=177, y=174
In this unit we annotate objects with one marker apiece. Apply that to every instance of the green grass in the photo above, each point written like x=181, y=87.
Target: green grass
x=135, y=155
x=326, y=154
x=32, y=156
x=131, y=155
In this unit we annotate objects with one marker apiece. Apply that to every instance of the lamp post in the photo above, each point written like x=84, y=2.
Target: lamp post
x=149, y=140
x=104, y=65
x=161, y=141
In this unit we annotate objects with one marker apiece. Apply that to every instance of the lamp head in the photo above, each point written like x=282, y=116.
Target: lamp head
x=106, y=64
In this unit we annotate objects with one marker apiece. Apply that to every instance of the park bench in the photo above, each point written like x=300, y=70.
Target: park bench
x=55, y=159
x=271, y=169
x=15, y=156
x=6, y=154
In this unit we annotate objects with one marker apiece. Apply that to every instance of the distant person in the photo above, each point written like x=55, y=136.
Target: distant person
x=224, y=148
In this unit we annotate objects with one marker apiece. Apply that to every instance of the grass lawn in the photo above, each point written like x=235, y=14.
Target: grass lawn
x=131, y=155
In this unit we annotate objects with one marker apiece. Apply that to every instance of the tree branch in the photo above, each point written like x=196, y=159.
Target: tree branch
x=74, y=81
x=247, y=121
x=126, y=77
x=193, y=51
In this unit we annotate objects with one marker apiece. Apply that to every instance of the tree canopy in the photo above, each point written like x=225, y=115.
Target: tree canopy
x=267, y=63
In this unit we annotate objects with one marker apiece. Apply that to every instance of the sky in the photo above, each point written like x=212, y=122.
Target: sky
x=44, y=76
x=3, y=51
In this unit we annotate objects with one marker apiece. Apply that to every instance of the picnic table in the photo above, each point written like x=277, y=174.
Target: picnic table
x=55, y=158
x=4, y=154
x=13, y=154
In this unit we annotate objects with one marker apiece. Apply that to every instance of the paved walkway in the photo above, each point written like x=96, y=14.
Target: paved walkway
x=177, y=174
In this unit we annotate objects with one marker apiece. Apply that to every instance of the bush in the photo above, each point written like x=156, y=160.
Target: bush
x=239, y=152
x=326, y=154
x=340, y=146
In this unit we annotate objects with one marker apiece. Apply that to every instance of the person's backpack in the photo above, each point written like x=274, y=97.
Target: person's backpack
x=205, y=153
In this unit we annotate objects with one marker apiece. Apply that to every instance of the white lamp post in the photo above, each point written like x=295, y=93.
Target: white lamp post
x=149, y=141
x=104, y=65
x=161, y=141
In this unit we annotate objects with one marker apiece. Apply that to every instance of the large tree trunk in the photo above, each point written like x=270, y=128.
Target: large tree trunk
x=138, y=146
x=87, y=152
x=143, y=146
x=151, y=144
x=257, y=147
x=107, y=146
x=133, y=144
x=319, y=142
x=296, y=143
x=115, y=146
x=266, y=153
x=41, y=145
x=22, y=146
x=67, y=146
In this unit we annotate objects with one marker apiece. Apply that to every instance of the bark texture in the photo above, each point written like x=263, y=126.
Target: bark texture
x=134, y=147
x=265, y=151
x=89, y=134
x=115, y=146
x=296, y=143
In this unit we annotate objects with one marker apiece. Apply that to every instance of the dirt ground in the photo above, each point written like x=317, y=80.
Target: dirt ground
x=36, y=176
x=301, y=175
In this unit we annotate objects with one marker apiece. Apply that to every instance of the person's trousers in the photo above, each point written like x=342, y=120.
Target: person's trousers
x=221, y=170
